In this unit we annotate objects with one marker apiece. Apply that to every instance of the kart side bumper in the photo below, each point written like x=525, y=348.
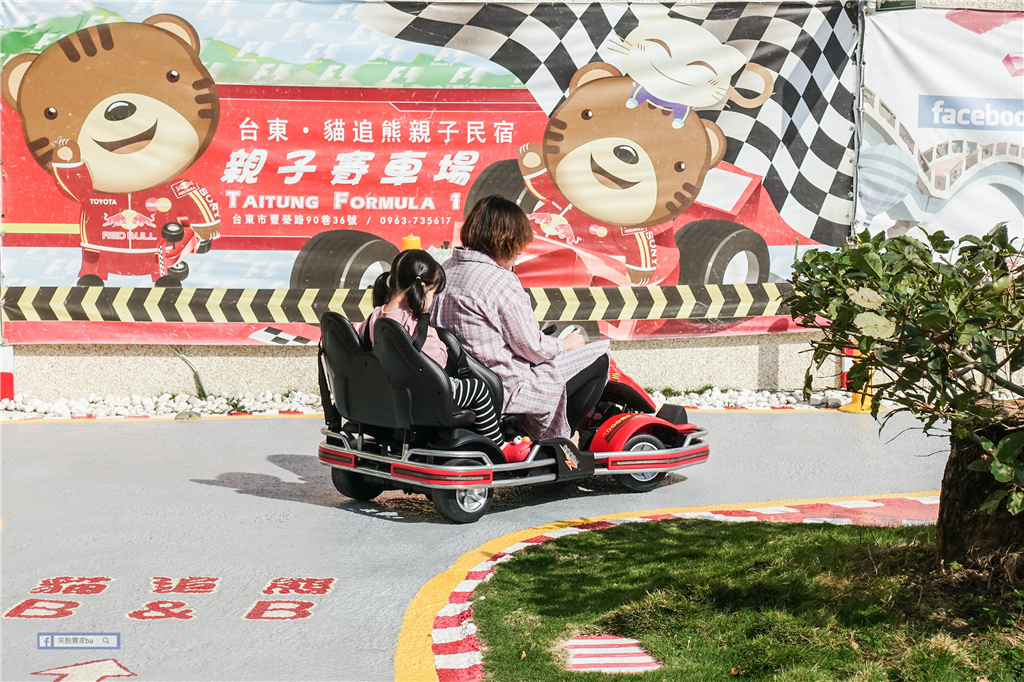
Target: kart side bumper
x=419, y=467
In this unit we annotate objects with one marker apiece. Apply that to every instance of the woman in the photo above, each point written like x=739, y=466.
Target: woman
x=554, y=382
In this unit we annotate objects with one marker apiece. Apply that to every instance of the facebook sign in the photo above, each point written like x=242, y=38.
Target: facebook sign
x=972, y=113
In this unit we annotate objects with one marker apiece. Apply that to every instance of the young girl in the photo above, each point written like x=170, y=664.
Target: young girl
x=404, y=294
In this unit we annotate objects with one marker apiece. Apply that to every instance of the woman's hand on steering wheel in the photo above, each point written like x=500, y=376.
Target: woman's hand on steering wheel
x=573, y=340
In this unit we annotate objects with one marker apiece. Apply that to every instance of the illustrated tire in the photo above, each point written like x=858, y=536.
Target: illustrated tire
x=342, y=259
x=641, y=483
x=178, y=271
x=172, y=232
x=168, y=282
x=721, y=252
x=354, y=485
x=462, y=506
x=504, y=179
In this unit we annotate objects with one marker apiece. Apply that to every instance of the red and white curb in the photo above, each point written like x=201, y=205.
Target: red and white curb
x=608, y=654
x=458, y=653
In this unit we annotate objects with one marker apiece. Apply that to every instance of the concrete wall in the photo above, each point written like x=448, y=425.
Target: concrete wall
x=48, y=372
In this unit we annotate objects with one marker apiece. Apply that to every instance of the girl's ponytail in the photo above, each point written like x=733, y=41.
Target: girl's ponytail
x=416, y=296
x=381, y=289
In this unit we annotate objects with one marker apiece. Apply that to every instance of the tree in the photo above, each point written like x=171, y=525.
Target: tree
x=938, y=328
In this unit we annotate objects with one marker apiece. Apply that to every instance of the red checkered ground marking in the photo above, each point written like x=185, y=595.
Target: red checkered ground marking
x=608, y=654
x=457, y=651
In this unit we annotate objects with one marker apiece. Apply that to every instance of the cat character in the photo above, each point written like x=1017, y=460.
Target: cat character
x=680, y=66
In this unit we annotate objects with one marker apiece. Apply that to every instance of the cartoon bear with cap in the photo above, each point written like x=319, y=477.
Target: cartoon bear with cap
x=611, y=178
x=116, y=112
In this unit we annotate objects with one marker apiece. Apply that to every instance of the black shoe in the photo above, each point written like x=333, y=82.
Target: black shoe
x=90, y=281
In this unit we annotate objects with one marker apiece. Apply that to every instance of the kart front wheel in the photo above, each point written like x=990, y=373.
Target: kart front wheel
x=356, y=486
x=462, y=506
x=641, y=482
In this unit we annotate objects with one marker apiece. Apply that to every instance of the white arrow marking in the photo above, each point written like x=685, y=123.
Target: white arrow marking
x=91, y=671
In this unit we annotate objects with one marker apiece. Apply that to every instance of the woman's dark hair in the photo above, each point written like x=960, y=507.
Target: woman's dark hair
x=497, y=227
x=414, y=270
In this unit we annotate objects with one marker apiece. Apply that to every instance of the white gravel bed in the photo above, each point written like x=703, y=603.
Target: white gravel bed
x=292, y=402
x=164, y=405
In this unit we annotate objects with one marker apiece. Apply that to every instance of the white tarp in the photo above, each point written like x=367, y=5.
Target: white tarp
x=943, y=121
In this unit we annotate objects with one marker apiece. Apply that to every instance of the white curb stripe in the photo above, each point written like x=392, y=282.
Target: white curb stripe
x=467, y=585
x=833, y=521
x=929, y=499
x=571, y=530
x=774, y=510
x=456, y=661
x=856, y=504
x=448, y=635
x=454, y=609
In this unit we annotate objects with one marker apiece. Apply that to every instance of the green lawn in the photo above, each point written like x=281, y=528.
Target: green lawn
x=753, y=601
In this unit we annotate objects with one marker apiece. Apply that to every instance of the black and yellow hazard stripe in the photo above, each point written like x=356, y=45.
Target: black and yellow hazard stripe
x=282, y=306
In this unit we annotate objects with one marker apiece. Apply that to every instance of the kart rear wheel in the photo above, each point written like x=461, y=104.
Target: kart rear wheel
x=466, y=505
x=356, y=486
x=641, y=482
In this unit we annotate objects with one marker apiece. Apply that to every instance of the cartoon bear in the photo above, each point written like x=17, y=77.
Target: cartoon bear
x=612, y=178
x=115, y=113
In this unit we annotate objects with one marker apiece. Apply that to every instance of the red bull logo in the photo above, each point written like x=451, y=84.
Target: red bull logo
x=128, y=220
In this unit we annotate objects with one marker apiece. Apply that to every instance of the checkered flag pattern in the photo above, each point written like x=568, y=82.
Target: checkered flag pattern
x=276, y=337
x=800, y=141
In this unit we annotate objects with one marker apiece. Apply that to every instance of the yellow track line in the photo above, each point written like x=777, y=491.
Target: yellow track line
x=414, y=659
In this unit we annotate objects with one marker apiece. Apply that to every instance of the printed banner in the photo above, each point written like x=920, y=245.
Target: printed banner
x=291, y=149
x=943, y=129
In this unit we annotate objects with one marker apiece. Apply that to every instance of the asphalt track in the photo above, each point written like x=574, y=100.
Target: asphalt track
x=245, y=501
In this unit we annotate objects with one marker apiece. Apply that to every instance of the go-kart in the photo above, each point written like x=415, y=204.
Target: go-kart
x=391, y=423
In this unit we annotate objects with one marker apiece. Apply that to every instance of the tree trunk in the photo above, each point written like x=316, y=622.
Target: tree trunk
x=966, y=534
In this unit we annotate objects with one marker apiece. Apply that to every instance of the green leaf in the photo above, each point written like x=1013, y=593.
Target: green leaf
x=866, y=297
x=870, y=264
x=992, y=502
x=1017, y=358
x=978, y=465
x=876, y=326
x=999, y=236
x=986, y=353
x=1009, y=447
x=1016, y=502
x=997, y=287
x=1002, y=472
x=940, y=242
